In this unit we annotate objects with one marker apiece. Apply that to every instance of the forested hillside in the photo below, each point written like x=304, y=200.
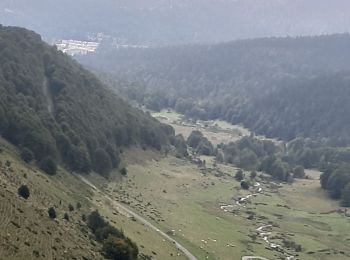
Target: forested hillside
x=279, y=87
x=56, y=111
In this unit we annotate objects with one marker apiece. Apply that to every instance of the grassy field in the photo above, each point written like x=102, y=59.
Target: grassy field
x=185, y=201
x=216, y=131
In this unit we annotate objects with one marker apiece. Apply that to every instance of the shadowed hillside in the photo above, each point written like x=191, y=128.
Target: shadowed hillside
x=58, y=112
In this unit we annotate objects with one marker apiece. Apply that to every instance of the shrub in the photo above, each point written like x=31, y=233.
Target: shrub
x=239, y=175
x=253, y=175
x=124, y=171
x=78, y=205
x=70, y=207
x=66, y=216
x=52, y=213
x=119, y=249
x=23, y=191
x=48, y=165
x=114, y=244
x=346, y=196
x=245, y=185
x=194, y=139
x=95, y=221
x=299, y=172
x=27, y=155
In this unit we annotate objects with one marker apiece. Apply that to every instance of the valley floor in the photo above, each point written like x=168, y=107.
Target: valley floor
x=202, y=208
x=198, y=206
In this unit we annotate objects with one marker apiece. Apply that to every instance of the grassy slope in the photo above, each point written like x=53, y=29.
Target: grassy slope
x=38, y=237
x=26, y=230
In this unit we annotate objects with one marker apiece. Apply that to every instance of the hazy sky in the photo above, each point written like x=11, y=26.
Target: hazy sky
x=178, y=21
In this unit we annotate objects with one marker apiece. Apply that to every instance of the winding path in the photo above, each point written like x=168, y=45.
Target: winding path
x=127, y=212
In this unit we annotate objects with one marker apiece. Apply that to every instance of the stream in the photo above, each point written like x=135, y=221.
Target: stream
x=265, y=235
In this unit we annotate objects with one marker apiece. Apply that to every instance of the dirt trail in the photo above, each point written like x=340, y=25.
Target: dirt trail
x=47, y=95
x=129, y=213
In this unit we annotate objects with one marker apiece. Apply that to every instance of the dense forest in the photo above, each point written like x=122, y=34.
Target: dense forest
x=279, y=87
x=295, y=89
x=56, y=111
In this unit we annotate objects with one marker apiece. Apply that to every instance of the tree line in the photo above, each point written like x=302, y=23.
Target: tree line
x=55, y=111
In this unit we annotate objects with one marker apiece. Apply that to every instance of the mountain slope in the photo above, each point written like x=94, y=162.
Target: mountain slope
x=27, y=232
x=50, y=105
x=277, y=87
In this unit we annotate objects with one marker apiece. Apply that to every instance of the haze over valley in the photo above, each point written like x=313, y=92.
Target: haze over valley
x=164, y=129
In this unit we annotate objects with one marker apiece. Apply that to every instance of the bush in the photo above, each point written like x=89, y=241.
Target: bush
x=27, y=155
x=239, y=175
x=23, y=191
x=124, y=171
x=253, y=175
x=345, y=198
x=70, y=207
x=299, y=172
x=194, y=138
x=78, y=205
x=119, y=249
x=66, y=216
x=245, y=185
x=114, y=244
x=48, y=165
x=52, y=213
x=95, y=221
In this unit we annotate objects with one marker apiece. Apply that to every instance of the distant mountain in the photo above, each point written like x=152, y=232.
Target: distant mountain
x=164, y=22
x=280, y=87
x=51, y=106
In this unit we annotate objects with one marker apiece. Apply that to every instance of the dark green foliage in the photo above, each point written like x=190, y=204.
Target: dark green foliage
x=78, y=205
x=337, y=181
x=181, y=147
x=53, y=106
x=124, y=171
x=102, y=162
x=52, y=213
x=115, y=244
x=23, y=191
x=280, y=170
x=194, y=138
x=95, y=221
x=70, y=207
x=253, y=174
x=299, y=172
x=285, y=87
x=119, y=249
x=251, y=153
x=239, y=175
x=345, y=197
x=66, y=216
x=199, y=143
x=104, y=232
x=245, y=185
x=27, y=155
x=48, y=165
